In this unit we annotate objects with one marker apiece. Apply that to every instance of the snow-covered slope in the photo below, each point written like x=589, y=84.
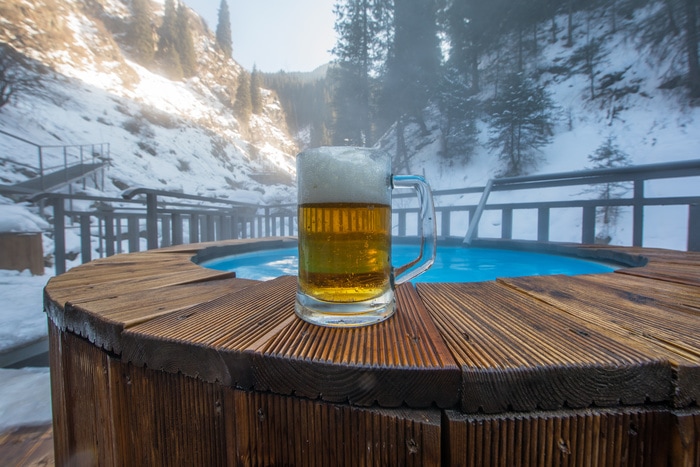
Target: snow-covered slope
x=174, y=135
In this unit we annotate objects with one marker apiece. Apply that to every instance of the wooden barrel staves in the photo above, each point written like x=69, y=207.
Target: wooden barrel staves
x=156, y=360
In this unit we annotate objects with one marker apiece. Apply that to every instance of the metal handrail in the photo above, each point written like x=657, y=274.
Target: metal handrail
x=635, y=174
x=40, y=152
x=167, y=213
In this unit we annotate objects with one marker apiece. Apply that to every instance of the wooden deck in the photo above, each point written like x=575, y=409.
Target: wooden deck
x=27, y=446
x=163, y=361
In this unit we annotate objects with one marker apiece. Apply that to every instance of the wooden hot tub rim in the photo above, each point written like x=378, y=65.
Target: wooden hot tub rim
x=210, y=325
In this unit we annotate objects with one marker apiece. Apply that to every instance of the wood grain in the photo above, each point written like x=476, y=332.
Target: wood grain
x=520, y=354
x=156, y=360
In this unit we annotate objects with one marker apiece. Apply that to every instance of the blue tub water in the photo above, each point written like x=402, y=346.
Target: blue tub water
x=453, y=264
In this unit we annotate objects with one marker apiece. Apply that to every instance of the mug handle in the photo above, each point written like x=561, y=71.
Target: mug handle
x=426, y=228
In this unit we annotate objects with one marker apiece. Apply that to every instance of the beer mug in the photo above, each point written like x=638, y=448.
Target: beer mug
x=345, y=273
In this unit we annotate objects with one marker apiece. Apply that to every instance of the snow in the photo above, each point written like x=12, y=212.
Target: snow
x=25, y=396
x=15, y=218
x=91, y=103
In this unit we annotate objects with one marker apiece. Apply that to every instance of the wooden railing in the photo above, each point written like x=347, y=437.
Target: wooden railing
x=145, y=218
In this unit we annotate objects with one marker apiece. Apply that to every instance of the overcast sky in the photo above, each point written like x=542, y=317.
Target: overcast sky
x=290, y=35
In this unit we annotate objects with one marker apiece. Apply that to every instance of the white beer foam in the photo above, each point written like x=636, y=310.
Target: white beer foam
x=343, y=175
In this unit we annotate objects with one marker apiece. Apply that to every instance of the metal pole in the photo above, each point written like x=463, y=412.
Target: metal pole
x=474, y=223
x=59, y=249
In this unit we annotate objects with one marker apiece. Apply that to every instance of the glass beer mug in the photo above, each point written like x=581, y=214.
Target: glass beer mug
x=345, y=273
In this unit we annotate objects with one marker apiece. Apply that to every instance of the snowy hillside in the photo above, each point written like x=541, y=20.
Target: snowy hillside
x=649, y=122
x=174, y=135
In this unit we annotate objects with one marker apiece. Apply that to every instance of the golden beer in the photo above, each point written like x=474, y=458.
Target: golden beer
x=344, y=251
x=344, y=201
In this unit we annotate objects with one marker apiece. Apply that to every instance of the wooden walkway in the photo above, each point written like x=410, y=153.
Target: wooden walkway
x=194, y=366
x=27, y=446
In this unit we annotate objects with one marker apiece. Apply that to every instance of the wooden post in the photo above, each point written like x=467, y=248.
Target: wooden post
x=22, y=250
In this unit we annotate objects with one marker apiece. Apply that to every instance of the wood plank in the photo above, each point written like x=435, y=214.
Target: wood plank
x=252, y=338
x=102, y=321
x=626, y=436
x=27, y=446
x=279, y=430
x=214, y=341
x=166, y=419
x=126, y=284
x=682, y=273
x=685, y=440
x=84, y=432
x=402, y=360
x=521, y=354
x=685, y=298
x=647, y=321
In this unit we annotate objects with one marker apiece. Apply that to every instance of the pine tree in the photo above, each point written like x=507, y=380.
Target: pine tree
x=413, y=65
x=167, y=53
x=141, y=33
x=609, y=155
x=521, y=122
x=362, y=27
x=586, y=59
x=243, y=107
x=223, y=30
x=172, y=65
x=184, y=43
x=459, y=117
x=256, y=98
x=167, y=32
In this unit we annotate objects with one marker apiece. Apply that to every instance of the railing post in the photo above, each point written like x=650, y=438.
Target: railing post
x=638, y=214
x=211, y=227
x=59, y=228
x=41, y=168
x=694, y=227
x=588, y=225
x=445, y=222
x=176, y=219
x=165, y=230
x=109, y=230
x=85, y=239
x=543, y=225
x=65, y=164
x=132, y=222
x=152, y=220
x=194, y=227
x=507, y=223
x=402, y=224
